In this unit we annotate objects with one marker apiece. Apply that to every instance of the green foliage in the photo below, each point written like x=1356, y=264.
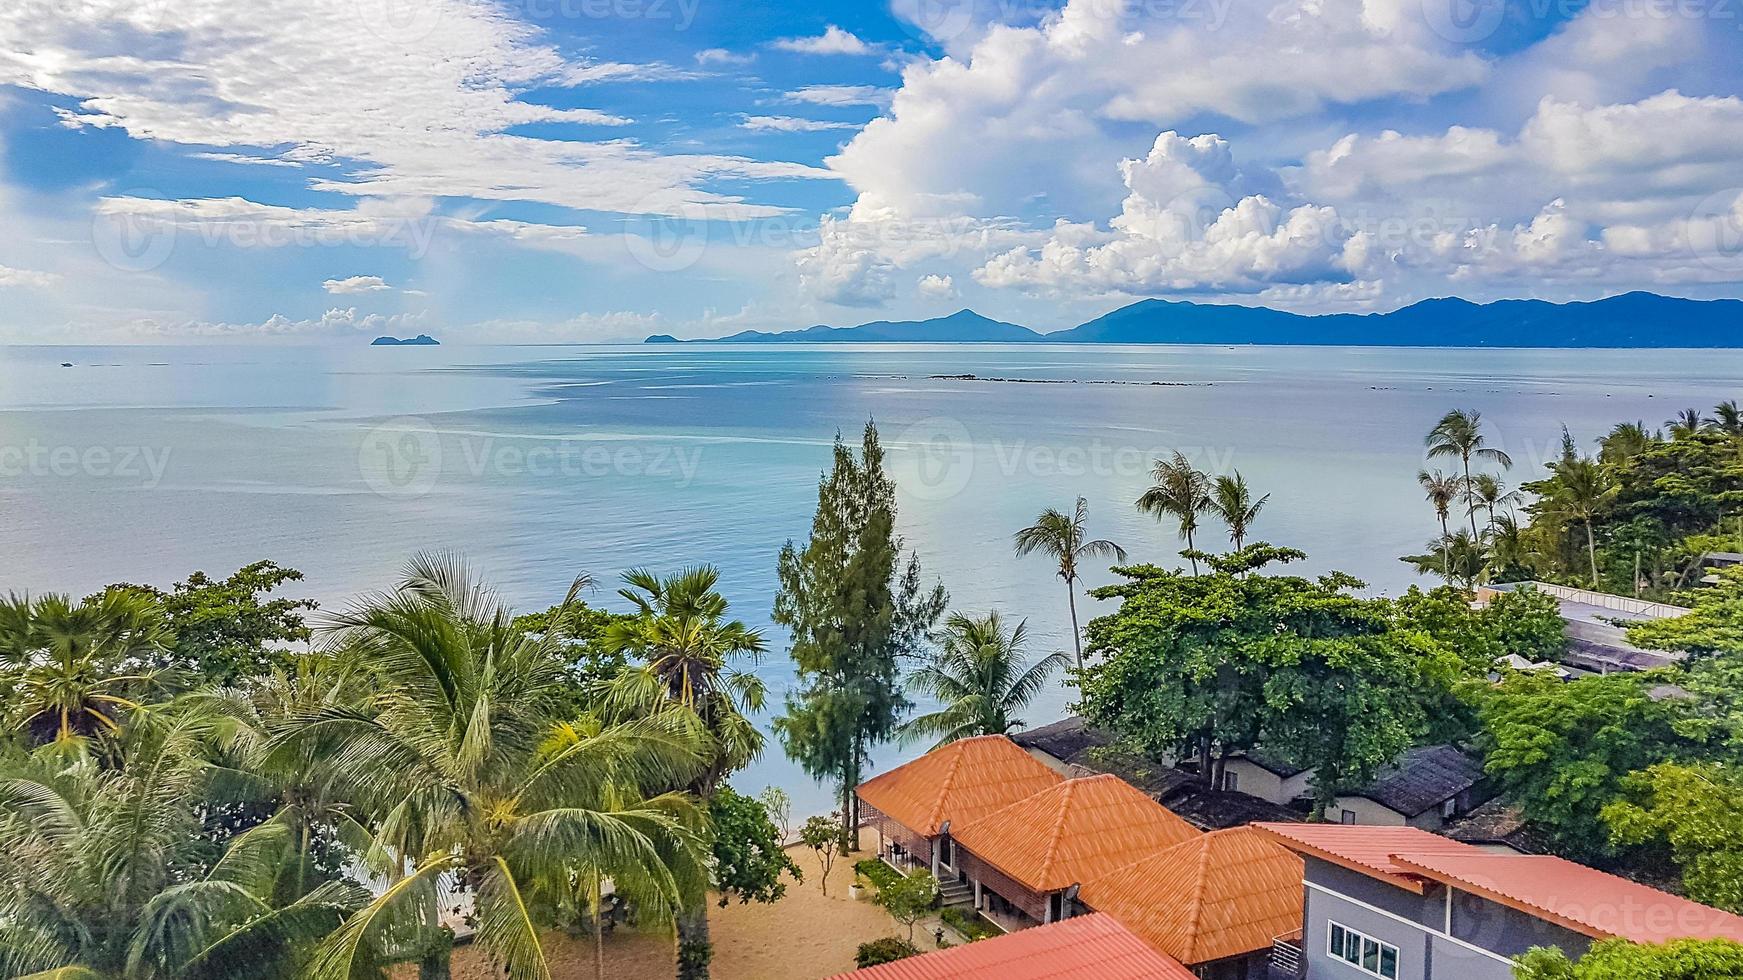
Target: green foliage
x=854, y=612
x=779, y=807
x=231, y=629
x=1698, y=810
x=876, y=871
x=880, y=951
x=70, y=671
x=1060, y=536
x=1213, y=664
x=748, y=859
x=1527, y=622
x=823, y=836
x=981, y=678
x=1618, y=959
x=1715, y=625
x=910, y=898
x=580, y=630
x=972, y=925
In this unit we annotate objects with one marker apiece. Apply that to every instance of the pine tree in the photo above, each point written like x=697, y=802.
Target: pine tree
x=855, y=611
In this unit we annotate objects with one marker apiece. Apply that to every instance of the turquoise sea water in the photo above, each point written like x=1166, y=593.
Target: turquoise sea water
x=143, y=463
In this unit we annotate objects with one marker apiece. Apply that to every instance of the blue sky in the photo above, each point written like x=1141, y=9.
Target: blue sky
x=587, y=170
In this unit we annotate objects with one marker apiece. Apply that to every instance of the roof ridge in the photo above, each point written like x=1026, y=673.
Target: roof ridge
x=1061, y=818
x=1195, y=901
x=944, y=784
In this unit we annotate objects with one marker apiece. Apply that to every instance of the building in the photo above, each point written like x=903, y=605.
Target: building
x=1024, y=861
x=1596, y=643
x=1425, y=788
x=913, y=806
x=1091, y=947
x=1063, y=743
x=1400, y=903
x=1258, y=773
x=1216, y=903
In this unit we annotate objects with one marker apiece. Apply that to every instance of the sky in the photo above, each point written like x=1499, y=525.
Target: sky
x=546, y=171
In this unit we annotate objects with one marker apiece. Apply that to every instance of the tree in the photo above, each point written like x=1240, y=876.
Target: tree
x=1060, y=538
x=910, y=898
x=231, y=629
x=580, y=634
x=76, y=668
x=1581, y=488
x=1697, y=809
x=1440, y=490
x=1625, y=441
x=1714, y=626
x=981, y=678
x=822, y=835
x=1459, y=434
x=472, y=776
x=1686, y=423
x=686, y=646
x=1527, y=622
x=1488, y=492
x=748, y=858
x=1180, y=491
x=854, y=613
x=1618, y=959
x=1727, y=418
x=1206, y=666
x=1459, y=558
x=780, y=809
x=1231, y=500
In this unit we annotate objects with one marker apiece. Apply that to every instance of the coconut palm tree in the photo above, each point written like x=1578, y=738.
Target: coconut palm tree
x=1180, y=491
x=1727, y=418
x=1461, y=559
x=1686, y=423
x=686, y=647
x=1440, y=490
x=1231, y=500
x=1459, y=434
x=981, y=678
x=1581, y=487
x=1060, y=537
x=1488, y=492
x=469, y=778
x=1625, y=441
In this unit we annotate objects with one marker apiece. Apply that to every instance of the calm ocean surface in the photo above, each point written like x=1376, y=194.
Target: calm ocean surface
x=144, y=463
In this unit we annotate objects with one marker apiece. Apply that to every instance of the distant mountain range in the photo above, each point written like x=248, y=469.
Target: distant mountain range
x=1630, y=320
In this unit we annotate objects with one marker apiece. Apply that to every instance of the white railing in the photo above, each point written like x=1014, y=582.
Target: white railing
x=1604, y=600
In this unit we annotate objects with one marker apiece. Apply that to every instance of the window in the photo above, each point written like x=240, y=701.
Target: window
x=1449, y=808
x=1348, y=816
x=1363, y=952
x=1231, y=782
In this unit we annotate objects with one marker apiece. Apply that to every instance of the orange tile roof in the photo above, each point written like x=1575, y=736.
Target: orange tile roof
x=1222, y=894
x=1365, y=848
x=1072, y=832
x=1583, y=899
x=958, y=782
x=1089, y=947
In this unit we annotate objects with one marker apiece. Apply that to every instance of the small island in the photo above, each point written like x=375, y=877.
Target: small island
x=421, y=340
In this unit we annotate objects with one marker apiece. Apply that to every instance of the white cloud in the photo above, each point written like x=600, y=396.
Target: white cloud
x=721, y=56
x=333, y=323
x=11, y=278
x=356, y=284
x=937, y=286
x=833, y=40
x=845, y=269
x=792, y=124
x=841, y=95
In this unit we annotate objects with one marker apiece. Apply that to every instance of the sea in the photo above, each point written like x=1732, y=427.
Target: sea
x=537, y=464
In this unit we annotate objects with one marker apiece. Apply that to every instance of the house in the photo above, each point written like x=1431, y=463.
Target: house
x=1062, y=743
x=1024, y=860
x=913, y=806
x=1091, y=947
x=1596, y=643
x=1216, y=902
x=1498, y=828
x=1400, y=903
x=1258, y=773
x=1425, y=788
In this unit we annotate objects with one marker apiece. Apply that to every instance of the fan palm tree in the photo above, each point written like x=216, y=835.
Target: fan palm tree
x=1727, y=418
x=72, y=655
x=1181, y=492
x=470, y=778
x=1459, y=434
x=687, y=646
x=1580, y=488
x=99, y=877
x=1231, y=500
x=1686, y=423
x=981, y=678
x=1488, y=492
x=1060, y=537
x=1440, y=490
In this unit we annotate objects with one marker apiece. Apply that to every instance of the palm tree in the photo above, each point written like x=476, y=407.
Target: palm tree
x=1181, y=492
x=1440, y=490
x=1231, y=500
x=72, y=656
x=1580, y=490
x=1460, y=558
x=1686, y=423
x=1459, y=434
x=1727, y=418
x=1626, y=441
x=1488, y=492
x=1061, y=538
x=981, y=678
x=470, y=777
x=686, y=646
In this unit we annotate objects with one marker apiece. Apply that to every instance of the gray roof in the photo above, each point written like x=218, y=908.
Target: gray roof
x=1063, y=740
x=1497, y=823
x=1272, y=764
x=1422, y=779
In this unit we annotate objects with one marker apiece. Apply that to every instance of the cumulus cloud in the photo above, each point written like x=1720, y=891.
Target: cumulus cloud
x=844, y=268
x=791, y=124
x=936, y=286
x=833, y=40
x=352, y=285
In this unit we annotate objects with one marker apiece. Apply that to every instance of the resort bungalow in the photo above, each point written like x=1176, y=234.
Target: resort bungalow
x=1216, y=903
x=915, y=806
x=1425, y=788
x=1025, y=861
x=1399, y=903
x=1093, y=947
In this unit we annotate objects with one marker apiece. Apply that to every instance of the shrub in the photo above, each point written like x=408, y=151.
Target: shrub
x=970, y=924
x=876, y=872
x=884, y=951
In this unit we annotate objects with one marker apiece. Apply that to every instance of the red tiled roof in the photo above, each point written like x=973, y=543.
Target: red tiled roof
x=1089, y=947
x=1221, y=894
x=1364, y=848
x=1583, y=899
x=959, y=782
x=1072, y=832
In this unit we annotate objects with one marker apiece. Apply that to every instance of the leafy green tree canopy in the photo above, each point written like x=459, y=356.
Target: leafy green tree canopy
x=1618, y=959
x=748, y=858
